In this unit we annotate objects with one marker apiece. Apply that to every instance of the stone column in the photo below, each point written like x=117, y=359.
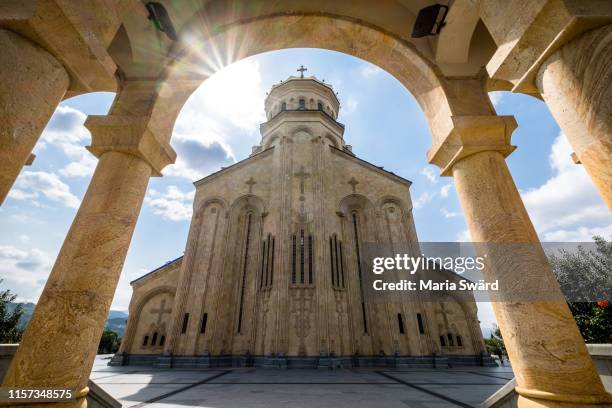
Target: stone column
x=33, y=83
x=575, y=83
x=548, y=355
x=60, y=343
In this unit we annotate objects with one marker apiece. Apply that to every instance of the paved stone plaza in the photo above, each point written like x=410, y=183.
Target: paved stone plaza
x=251, y=387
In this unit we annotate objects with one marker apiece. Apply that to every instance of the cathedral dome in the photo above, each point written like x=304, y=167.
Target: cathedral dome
x=302, y=93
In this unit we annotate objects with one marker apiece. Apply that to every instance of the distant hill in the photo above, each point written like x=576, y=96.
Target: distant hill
x=116, y=318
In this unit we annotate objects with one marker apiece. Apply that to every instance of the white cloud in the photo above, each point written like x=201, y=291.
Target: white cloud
x=24, y=271
x=369, y=71
x=430, y=174
x=464, y=236
x=66, y=130
x=496, y=97
x=423, y=199
x=84, y=165
x=173, y=205
x=350, y=105
x=444, y=190
x=30, y=184
x=449, y=214
x=567, y=206
x=197, y=158
x=226, y=110
x=65, y=126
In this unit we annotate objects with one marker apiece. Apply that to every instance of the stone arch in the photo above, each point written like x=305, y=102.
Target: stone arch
x=220, y=201
x=437, y=96
x=136, y=310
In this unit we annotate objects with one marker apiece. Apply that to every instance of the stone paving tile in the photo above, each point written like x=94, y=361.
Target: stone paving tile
x=250, y=387
x=467, y=394
x=447, y=378
x=300, y=396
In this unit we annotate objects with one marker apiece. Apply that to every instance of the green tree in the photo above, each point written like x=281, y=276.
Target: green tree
x=584, y=276
x=495, y=343
x=9, y=320
x=109, y=342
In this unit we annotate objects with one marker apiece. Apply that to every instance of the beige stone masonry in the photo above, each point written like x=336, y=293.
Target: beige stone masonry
x=32, y=85
x=60, y=343
x=551, y=370
x=576, y=83
x=539, y=28
x=131, y=135
x=471, y=135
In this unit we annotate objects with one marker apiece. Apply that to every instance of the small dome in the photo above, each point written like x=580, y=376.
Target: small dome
x=302, y=93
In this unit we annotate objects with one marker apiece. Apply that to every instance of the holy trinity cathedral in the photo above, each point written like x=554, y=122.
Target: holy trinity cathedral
x=271, y=273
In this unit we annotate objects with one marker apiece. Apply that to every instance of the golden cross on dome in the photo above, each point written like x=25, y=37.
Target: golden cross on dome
x=301, y=71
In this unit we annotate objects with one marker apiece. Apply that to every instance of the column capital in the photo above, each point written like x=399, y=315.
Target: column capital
x=470, y=135
x=132, y=135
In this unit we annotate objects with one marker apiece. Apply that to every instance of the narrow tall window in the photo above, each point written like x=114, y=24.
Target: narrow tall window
x=451, y=342
x=302, y=104
x=400, y=323
x=420, y=323
x=301, y=256
x=331, y=261
x=271, y=263
x=267, y=254
x=459, y=341
x=204, y=321
x=320, y=106
x=185, y=323
x=341, y=265
x=442, y=341
x=154, y=339
x=162, y=340
x=293, y=260
x=284, y=106
x=310, y=273
x=245, y=264
x=263, y=265
x=363, y=306
x=145, y=341
x=336, y=258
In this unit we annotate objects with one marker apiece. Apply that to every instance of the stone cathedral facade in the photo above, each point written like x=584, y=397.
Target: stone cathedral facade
x=270, y=274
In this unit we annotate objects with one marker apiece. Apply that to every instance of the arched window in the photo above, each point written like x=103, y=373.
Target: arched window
x=320, y=106
x=302, y=104
x=400, y=323
x=154, y=339
x=459, y=341
x=145, y=341
x=420, y=323
x=162, y=340
x=284, y=106
x=442, y=341
x=451, y=342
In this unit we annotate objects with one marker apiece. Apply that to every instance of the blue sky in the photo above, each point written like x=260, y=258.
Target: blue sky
x=220, y=123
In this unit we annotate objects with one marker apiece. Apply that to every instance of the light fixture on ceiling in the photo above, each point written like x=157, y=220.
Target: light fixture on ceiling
x=159, y=15
x=429, y=21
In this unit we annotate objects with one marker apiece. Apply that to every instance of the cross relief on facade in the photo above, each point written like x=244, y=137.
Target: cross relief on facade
x=161, y=311
x=250, y=182
x=353, y=184
x=302, y=175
